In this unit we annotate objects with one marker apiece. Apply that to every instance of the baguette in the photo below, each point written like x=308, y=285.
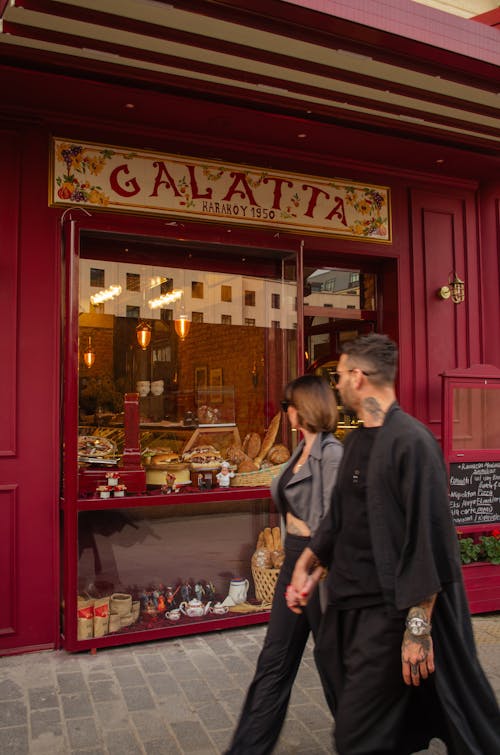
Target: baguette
x=269, y=439
x=276, y=538
x=268, y=538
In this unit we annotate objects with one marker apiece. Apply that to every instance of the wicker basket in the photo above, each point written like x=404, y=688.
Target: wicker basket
x=265, y=583
x=255, y=479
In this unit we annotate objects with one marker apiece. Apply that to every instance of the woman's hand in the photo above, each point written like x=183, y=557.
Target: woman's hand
x=303, y=581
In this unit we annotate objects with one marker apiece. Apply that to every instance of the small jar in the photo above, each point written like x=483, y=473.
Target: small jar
x=119, y=491
x=113, y=478
x=103, y=490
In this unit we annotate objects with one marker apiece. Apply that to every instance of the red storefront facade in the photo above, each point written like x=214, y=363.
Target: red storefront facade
x=441, y=173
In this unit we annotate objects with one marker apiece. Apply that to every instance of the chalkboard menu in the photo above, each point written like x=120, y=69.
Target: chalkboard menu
x=475, y=492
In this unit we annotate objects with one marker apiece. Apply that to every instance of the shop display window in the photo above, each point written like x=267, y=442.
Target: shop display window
x=205, y=349
x=167, y=567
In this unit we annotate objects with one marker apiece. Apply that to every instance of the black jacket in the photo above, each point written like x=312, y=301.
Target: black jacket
x=416, y=555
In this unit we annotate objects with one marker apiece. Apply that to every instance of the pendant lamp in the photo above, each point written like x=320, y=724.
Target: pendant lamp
x=89, y=355
x=143, y=332
x=182, y=325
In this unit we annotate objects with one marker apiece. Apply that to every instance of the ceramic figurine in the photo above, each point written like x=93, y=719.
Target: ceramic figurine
x=224, y=476
x=199, y=591
x=161, y=603
x=186, y=592
x=210, y=591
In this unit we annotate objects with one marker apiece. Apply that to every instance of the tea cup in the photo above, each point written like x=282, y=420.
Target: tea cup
x=157, y=387
x=143, y=387
x=173, y=615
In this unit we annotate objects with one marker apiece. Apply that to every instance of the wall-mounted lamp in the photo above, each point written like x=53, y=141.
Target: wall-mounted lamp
x=455, y=290
x=182, y=326
x=143, y=333
x=254, y=374
x=89, y=355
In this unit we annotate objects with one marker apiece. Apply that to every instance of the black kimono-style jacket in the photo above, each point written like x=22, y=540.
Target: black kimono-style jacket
x=416, y=555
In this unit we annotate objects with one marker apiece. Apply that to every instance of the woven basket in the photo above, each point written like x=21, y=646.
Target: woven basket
x=254, y=479
x=265, y=583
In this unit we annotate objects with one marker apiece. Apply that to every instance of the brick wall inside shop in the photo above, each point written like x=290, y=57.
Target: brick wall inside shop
x=98, y=388
x=234, y=349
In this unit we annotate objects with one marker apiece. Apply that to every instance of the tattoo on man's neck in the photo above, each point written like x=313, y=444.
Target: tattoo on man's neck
x=372, y=406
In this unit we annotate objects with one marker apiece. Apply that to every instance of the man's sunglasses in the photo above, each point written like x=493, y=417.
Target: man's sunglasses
x=285, y=404
x=337, y=375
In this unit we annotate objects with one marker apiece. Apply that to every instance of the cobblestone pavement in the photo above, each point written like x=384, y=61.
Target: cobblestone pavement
x=165, y=698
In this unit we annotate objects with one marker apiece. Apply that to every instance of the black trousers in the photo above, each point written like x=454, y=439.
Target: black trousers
x=267, y=698
x=358, y=653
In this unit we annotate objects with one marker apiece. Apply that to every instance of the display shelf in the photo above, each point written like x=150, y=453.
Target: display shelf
x=157, y=498
x=167, y=632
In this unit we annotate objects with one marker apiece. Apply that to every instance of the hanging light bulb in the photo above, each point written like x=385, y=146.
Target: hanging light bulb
x=89, y=355
x=182, y=325
x=143, y=332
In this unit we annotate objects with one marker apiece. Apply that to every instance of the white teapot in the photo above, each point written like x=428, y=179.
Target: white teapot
x=194, y=608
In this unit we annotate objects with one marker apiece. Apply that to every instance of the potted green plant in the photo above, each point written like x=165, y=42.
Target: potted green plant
x=485, y=549
x=480, y=556
x=490, y=547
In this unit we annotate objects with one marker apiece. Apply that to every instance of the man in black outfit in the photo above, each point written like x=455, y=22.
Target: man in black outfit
x=397, y=608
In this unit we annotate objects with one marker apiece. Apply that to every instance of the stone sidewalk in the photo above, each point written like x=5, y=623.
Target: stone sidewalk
x=172, y=697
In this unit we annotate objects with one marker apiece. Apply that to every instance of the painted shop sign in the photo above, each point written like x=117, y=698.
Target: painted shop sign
x=112, y=178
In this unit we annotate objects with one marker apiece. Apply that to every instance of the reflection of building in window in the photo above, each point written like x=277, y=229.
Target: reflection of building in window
x=166, y=315
x=97, y=277
x=133, y=312
x=196, y=290
x=354, y=279
x=96, y=309
x=133, y=282
x=328, y=285
x=226, y=319
x=249, y=298
x=197, y=317
x=275, y=324
x=226, y=293
x=253, y=298
x=275, y=301
x=249, y=320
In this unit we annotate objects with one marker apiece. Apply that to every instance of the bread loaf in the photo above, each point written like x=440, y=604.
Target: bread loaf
x=252, y=444
x=269, y=439
x=235, y=454
x=164, y=458
x=248, y=466
x=262, y=559
x=278, y=454
x=277, y=558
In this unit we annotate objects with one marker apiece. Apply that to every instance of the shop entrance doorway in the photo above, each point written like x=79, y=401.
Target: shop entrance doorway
x=339, y=305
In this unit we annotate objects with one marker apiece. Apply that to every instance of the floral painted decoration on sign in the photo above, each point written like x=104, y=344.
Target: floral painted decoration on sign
x=79, y=160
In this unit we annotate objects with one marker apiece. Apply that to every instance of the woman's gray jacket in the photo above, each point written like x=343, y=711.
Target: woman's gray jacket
x=309, y=491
